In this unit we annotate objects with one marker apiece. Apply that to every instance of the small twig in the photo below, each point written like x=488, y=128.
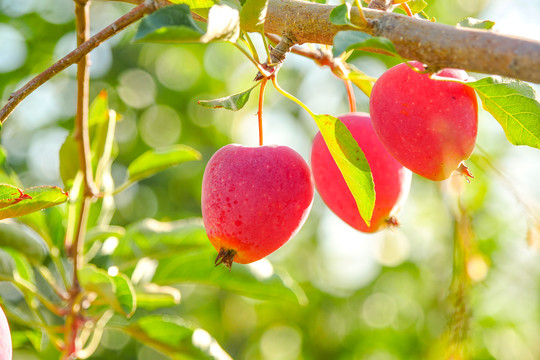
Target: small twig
x=260, y=111
x=82, y=136
x=76, y=55
x=277, y=56
x=350, y=95
x=82, y=11
x=407, y=9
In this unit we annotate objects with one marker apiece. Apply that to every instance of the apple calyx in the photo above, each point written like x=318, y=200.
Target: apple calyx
x=225, y=257
x=464, y=170
x=392, y=222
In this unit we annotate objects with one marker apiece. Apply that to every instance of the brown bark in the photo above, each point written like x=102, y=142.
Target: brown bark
x=435, y=44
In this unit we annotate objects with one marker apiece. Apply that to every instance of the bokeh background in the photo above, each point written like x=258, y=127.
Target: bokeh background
x=390, y=295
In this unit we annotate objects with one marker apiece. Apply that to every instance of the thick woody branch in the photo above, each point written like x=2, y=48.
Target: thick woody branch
x=437, y=45
x=434, y=44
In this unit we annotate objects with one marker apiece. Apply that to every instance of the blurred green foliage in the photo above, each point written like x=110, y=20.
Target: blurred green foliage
x=392, y=295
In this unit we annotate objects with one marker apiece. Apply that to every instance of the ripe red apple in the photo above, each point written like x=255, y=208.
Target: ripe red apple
x=392, y=181
x=254, y=199
x=5, y=338
x=427, y=125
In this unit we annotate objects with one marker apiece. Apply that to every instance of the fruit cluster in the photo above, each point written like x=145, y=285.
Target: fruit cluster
x=256, y=199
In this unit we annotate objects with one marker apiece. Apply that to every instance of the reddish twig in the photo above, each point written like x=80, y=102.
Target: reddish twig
x=406, y=8
x=350, y=95
x=76, y=55
x=260, y=112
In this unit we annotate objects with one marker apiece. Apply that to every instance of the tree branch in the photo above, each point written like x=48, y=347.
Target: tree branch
x=437, y=45
x=75, y=56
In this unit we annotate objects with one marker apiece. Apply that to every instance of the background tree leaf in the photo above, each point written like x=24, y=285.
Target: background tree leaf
x=154, y=161
x=23, y=239
x=351, y=162
x=69, y=161
x=232, y=102
x=196, y=266
x=113, y=291
x=514, y=104
x=174, y=24
x=169, y=24
x=7, y=265
x=356, y=40
x=153, y=296
x=417, y=6
x=186, y=256
x=223, y=24
x=341, y=15
x=125, y=294
x=469, y=22
x=42, y=197
x=253, y=14
x=195, y=4
x=172, y=336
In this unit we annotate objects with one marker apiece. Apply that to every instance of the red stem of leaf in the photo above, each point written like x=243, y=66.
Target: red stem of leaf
x=407, y=9
x=260, y=112
x=350, y=95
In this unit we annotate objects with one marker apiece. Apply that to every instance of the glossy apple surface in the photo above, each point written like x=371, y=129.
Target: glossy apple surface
x=254, y=199
x=392, y=181
x=428, y=125
x=5, y=338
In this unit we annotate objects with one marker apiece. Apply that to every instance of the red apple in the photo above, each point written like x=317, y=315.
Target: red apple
x=254, y=199
x=392, y=181
x=5, y=338
x=428, y=125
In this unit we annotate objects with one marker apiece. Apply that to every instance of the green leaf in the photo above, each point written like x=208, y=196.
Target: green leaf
x=125, y=294
x=233, y=102
x=23, y=267
x=351, y=162
x=154, y=161
x=341, y=15
x=155, y=297
x=7, y=265
x=174, y=24
x=41, y=197
x=169, y=24
x=172, y=335
x=515, y=105
x=223, y=24
x=23, y=239
x=185, y=255
x=99, y=109
x=196, y=266
x=356, y=40
x=114, y=292
x=10, y=195
x=69, y=161
x=253, y=14
x=362, y=81
x=417, y=6
x=150, y=238
x=469, y=22
x=195, y=4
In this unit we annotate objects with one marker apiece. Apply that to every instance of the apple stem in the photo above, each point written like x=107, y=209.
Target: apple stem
x=225, y=257
x=260, y=112
x=350, y=95
x=407, y=9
